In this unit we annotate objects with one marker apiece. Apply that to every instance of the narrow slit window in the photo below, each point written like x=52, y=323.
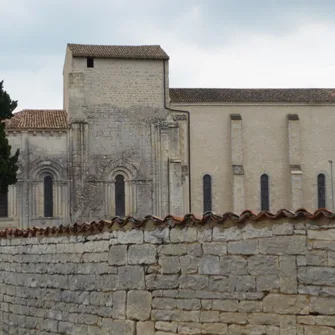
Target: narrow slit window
x=48, y=197
x=90, y=62
x=4, y=205
x=207, y=190
x=265, y=200
x=120, y=196
x=321, y=191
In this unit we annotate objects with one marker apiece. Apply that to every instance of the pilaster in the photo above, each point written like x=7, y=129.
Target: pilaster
x=237, y=163
x=294, y=157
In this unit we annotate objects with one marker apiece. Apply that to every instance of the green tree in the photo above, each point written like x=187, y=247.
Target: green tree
x=8, y=162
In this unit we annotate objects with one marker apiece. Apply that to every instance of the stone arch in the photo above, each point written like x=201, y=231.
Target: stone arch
x=111, y=191
x=124, y=166
x=48, y=167
x=41, y=170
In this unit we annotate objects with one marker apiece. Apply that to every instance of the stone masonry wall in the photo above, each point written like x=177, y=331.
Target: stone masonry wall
x=266, y=277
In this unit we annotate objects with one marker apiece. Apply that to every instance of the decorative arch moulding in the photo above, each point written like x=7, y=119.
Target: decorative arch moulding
x=208, y=218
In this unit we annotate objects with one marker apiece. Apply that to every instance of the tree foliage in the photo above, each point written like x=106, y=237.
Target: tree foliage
x=8, y=162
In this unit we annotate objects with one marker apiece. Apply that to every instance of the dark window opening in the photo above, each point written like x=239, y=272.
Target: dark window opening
x=265, y=201
x=207, y=185
x=48, y=197
x=90, y=62
x=120, y=196
x=4, y=205
x=321, y=191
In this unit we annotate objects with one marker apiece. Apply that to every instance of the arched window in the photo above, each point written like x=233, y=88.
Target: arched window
x=120, y=196
x=4, y=205
x=321, y=191
x=48, y=197
x=265, y=201
x=207, y=186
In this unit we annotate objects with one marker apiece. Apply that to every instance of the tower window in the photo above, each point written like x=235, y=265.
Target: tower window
x=48, y=197
x=90, y=62
x=321, y=191
x=265, y=201
x=207, y=186
x=120, y=196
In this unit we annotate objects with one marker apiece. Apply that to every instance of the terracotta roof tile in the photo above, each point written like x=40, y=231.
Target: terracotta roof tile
x=170, y=220
x=38, y=119
x=232, y=95
x=118, y=51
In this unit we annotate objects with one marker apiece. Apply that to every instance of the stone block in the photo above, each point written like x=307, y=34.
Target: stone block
x=214, y=328
x=288, y=274
x=117, y=255
x=173, y=249
x=205, y=235
x=131, y=278
x=263, y=265
x=164, y=303
x=210, y=265
x=189, y=328
x=134, y=236
x=318, y=330
x=244, y=283
x=186, y=234
x=157, y=282
x=248, y=247
x=229, y=317
x=189, y=304
x=194, y=282
x=119, y=305
x=157, y=236
x=249, y=306
x=110, y=326
x=251, y=230
x=216, y=249
x=145, y=328
x=233, y=265
x=227, y=234
x=264, y=319
x=189, y=264
x=324, y=306
x=283, y=245
x=209, y=316
x=225, y=305
x=194, y=249
x=142, y=254
x=327, y=234
x=138, y=305
x=286, y=304
x=169, y=264
x=166, y=326
x=282, y=228
x=317, y=275
x=267, y=283
x=220, y=284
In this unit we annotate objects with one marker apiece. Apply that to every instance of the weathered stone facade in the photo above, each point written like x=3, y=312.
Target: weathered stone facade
x=124, y=120
x=263, y=277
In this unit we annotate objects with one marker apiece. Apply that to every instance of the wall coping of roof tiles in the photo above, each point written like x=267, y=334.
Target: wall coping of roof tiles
x=152, y=222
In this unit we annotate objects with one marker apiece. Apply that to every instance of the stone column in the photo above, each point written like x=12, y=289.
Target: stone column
x=237, y=163
x=294, y=157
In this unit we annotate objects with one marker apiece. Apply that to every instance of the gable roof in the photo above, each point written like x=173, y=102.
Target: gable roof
x=38, y=119
x=118, y=51
x=232, y=95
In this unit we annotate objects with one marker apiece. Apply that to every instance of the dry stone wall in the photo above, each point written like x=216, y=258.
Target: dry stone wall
x=268, y=277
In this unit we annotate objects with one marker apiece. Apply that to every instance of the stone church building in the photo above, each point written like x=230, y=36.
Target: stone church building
x=125, y=143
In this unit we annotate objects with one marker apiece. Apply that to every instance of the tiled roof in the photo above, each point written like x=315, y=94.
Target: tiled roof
x=189, y=219
x=38, y=119
x=118, y=51
x=232, y=95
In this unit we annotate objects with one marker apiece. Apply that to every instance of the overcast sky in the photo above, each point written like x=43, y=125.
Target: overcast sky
x=211, y=43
